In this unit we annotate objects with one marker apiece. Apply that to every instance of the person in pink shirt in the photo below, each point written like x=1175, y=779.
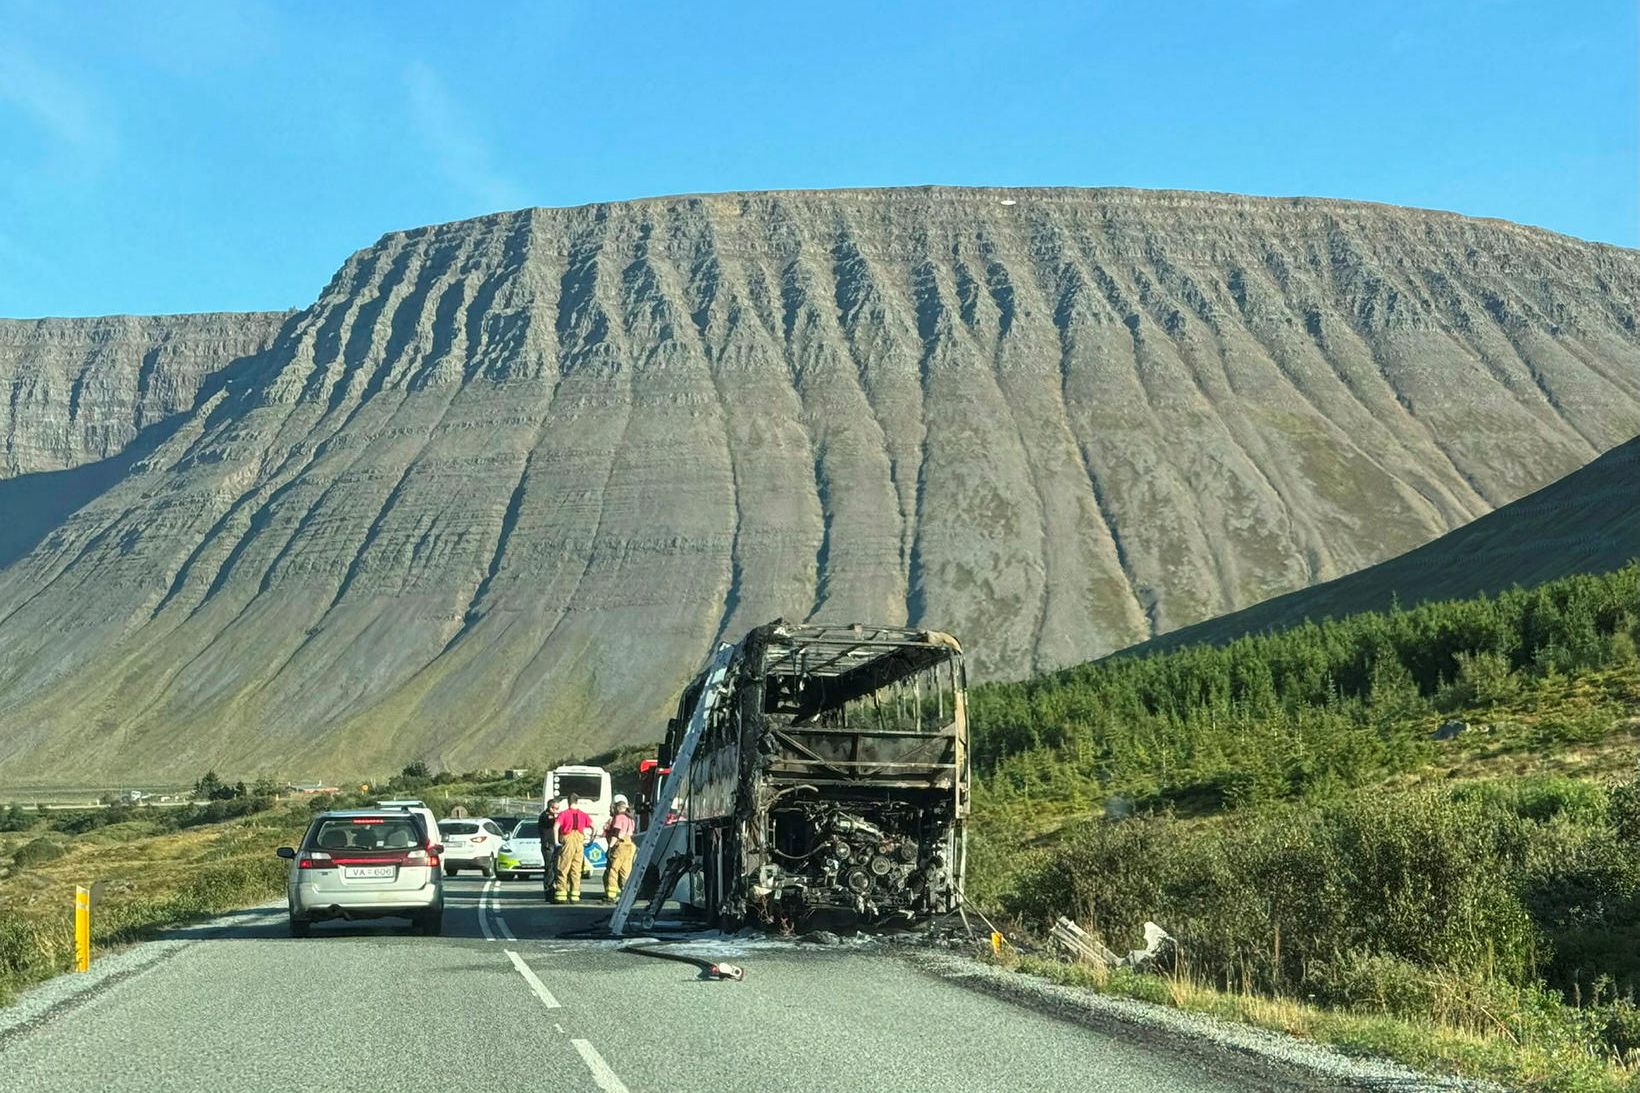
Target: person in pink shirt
x=574, y=826
x=622, y=833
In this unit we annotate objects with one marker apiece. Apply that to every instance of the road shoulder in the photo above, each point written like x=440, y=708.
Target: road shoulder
x=1258, y=1057
x=53, y=997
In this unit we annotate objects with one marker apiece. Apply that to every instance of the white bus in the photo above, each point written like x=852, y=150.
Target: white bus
x=592, y=786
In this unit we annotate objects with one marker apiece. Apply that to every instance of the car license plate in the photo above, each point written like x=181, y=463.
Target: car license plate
x=369, y=872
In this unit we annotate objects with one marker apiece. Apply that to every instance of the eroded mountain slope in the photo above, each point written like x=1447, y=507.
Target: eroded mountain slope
x=81, y=390
x=496, y=492
x=1587, y=522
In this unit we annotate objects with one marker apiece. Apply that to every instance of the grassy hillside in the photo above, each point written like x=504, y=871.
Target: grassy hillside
x=1415, y=832
x=1309, y=711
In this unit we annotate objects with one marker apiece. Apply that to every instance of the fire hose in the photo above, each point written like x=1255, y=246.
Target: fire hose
x=710, y=969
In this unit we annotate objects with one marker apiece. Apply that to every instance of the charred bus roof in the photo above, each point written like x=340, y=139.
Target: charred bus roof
x=811, y=668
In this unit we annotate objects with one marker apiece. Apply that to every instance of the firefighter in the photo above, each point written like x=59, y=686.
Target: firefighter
x=548, y=823
x=573, y=827
x=622, y=833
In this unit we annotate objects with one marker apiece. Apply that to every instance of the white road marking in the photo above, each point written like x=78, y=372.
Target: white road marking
x=483, y=915
x=601, y=1074
x=492, y=895
x=557, y=1026
x=535, y=983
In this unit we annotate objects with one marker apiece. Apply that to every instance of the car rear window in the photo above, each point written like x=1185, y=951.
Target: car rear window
x=366, y=833
x=457, y=827
x=529, y=829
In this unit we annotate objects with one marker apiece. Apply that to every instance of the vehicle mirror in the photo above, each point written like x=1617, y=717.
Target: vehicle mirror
x=286, y=852
x=437, y=848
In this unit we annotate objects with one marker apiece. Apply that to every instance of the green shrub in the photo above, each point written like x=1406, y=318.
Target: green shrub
x=1306, y=712
x=1540, y=798
x=16, y=818
x=222, y=810
x=37, y=852
x=1619, y=1024
x=1484, y=678
x=1429, y=879
x=29, y=950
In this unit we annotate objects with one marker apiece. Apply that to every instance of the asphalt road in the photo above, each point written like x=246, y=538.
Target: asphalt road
x=500, y=1003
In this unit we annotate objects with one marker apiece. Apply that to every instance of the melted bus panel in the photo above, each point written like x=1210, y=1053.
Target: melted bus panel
x=830, y=777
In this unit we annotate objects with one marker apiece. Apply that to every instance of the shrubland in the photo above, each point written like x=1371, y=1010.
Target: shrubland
x=1414, y=832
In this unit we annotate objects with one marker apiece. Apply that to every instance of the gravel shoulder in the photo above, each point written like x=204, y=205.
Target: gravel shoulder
x=1257, y=1057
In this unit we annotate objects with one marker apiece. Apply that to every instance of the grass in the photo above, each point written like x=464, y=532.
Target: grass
x=150, y=877
x=1334, y=868
x=1526, y=1048
x=1527, y=857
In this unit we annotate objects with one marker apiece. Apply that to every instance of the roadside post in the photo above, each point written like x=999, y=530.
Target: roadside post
x=82, y=928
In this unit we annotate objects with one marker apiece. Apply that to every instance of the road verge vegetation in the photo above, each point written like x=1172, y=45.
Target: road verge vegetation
x=157, y=868
x=1415, y=834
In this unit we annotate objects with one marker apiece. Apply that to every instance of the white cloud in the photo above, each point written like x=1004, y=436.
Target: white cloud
x=461, y=153
x=63, y=109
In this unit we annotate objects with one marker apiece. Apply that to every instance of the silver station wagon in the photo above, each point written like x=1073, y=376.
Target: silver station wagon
x=366, y=863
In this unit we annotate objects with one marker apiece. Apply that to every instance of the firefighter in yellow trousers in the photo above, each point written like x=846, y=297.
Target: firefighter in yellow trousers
x=574, y=826
x=622, y=833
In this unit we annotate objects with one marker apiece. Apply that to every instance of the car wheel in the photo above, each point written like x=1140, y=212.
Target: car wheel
x=299, y=927
x=488, y=868
x=450, y=870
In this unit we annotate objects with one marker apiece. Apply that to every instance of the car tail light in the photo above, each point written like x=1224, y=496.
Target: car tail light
x=315, y=859
x=480, y=838
x=428, y=856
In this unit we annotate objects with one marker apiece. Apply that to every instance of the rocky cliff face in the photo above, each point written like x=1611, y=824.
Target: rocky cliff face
x=496, y=493
x=80, y=390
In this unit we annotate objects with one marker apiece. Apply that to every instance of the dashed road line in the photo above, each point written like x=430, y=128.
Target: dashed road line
x=535, y=983
x=601, y=1074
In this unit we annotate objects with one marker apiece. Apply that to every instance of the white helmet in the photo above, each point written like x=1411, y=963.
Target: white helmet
x=620, y=799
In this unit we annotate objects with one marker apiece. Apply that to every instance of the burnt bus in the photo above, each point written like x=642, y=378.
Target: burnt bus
x=817, y=773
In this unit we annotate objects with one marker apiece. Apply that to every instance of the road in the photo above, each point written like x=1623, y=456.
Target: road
x=500, y=1003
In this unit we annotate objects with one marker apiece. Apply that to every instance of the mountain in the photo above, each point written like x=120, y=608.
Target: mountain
x=497, y=491
x=1587, y=522
x=80, y=390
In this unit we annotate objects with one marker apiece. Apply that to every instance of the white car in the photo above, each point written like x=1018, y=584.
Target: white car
x=520, y=854
x=469, y=844
x=416, y=808
x=365, y=863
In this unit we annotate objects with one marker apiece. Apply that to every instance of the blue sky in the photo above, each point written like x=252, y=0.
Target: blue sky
x=186, y=157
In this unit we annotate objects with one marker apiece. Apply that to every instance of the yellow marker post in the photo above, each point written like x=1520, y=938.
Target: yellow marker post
x=82, y=928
